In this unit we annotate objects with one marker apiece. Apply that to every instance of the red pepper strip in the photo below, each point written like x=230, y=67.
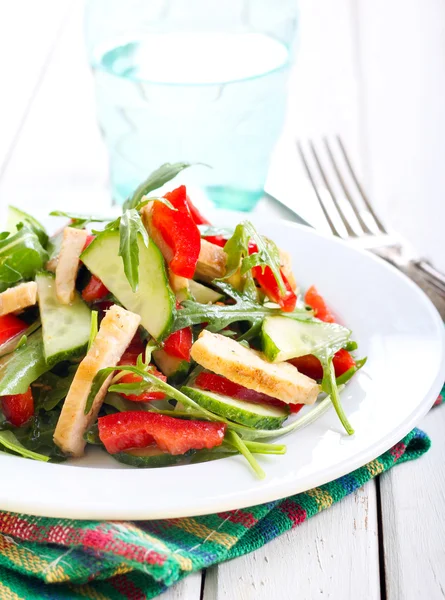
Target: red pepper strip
x=218, y=240
x=310, y=365
x=320, y=307
x=10, y=326
x=129, y=358
x=90, y=238
x=18, y=408
x=179, y=343
x=139, y=429
x=94, y=290
x=181, y=201
x=221, y=385
x=182, y=236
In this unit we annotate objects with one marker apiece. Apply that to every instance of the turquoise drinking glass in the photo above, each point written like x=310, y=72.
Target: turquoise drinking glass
x=199, y=81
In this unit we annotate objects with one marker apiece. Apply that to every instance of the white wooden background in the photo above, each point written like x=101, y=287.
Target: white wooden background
x=373, y=71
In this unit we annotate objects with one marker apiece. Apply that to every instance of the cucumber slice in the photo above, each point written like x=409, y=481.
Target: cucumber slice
x=175, y=369
x=285, y=338
x=153, y=301
x=66, y=327
x=203, y=294
x=19, y=369
x=259, y=416
x=148, y=458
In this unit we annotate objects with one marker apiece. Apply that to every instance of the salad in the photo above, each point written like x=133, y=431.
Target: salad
x=159, y=337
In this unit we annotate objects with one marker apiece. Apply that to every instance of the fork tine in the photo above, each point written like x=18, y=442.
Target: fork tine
x=359, y=187
x=348, y=195
x=317, y=193
x=349, y=229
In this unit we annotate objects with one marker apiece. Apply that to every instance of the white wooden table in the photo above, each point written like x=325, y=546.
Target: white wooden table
x=373, y=71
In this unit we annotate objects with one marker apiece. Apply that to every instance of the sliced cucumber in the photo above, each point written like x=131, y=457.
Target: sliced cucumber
x=175, y=369
x=66, y=327
x=148, y=458
x=204, y=294
x=259, y=416
x=19, y=369
x=153, y=301
x=285, y=338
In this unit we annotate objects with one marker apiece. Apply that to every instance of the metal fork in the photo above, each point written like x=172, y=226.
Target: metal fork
x=349, y=212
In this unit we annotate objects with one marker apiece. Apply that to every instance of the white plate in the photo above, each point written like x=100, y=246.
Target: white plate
x=396, y=327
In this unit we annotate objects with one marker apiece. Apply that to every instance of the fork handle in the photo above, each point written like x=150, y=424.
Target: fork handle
x=434, y=276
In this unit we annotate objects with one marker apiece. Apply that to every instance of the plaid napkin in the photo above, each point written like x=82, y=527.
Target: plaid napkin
x=64, y=559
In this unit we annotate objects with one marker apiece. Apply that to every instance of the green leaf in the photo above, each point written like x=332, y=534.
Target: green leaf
x=219, y=317
x=267, y=256
x=9, y=441
x=130, y=226
x=345, y=377
x=19, y=340
x=329, y=385
x=21, y=257
x=236, y=441
x=154, y=181
x=17, y=216
x=236, y=248
x=94, y=327
x=21, y=368
x=79, y=221
x=50, y=389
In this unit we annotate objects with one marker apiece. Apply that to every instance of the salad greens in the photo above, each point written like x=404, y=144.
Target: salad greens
x=149, y=386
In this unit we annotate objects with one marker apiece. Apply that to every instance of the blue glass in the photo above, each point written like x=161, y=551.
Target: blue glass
x=202, y=81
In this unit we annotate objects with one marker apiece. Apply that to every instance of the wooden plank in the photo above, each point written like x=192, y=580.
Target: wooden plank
x=187, y=589
x=28, y=33
x=333, y=555
x=413, y=497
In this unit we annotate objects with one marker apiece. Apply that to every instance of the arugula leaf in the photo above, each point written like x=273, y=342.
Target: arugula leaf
x=21, y=257
x=21, y=368
x=236, y=441
x=17, y=216
x=129, y=228
x=9, y=441
x=219, y=317
x=347, y=375
x=49, y=389
x=18, y=340
x=237, y=250
x=37, y=435
x=154, y=181
x=78, y=221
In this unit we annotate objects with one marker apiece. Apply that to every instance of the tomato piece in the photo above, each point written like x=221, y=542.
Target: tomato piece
x=129, y=358
x=222, y=385
x=310, y=365
x=94, y=290
x=179, y=343
x=10, y=326
x=18, y=408
x=269, y=285
x=181, y=234
x=316, y=301
x=139, y=429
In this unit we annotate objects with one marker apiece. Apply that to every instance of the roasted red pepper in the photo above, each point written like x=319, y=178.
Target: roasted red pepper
x=310, y=365
x=218, y=240
x=181, y=201
x=222, y=385
x=321, y=310
x=179, y=232
x=269, y=285
x=94, y=290
x=139, y=429
x=179, y=344
x=18, y=408
x=10, y=326
x=129, y=358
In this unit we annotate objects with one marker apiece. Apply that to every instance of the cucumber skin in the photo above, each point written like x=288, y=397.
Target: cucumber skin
x=74, y=353
x=233, y=413
x=270, y=349
x=170, y=295
x=149, y=462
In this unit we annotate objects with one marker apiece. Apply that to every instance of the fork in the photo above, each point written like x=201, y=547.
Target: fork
x=329, y=173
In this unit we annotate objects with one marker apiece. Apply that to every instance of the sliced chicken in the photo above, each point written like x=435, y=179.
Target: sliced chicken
x=211, y=262
x=17, y=298
x=249, y=368
x=73, y=243
x=116, y=331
